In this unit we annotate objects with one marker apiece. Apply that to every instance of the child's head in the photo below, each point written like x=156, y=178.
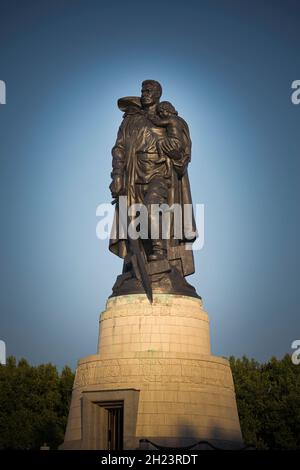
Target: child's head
x=165, y=109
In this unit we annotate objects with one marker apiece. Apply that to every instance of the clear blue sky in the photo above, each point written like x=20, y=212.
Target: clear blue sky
x=228, y=67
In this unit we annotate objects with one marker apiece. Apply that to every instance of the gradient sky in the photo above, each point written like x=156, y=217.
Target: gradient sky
x=227, y=66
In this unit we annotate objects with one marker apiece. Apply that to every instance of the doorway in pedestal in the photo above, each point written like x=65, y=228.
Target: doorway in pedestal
x=114, y=425
x=108, y=419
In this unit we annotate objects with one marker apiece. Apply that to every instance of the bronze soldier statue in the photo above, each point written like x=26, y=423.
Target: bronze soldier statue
x=149, y=167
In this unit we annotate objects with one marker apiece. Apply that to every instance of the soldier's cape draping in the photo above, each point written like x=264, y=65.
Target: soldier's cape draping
x=124, y=162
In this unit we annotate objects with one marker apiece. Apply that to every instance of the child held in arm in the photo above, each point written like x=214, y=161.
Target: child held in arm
x=167, y=117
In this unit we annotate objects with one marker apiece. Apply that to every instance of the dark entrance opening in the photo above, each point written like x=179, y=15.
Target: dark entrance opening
x=109, y=419
x=115, y=424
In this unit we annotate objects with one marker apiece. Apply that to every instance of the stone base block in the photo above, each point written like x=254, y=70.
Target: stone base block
x=155, y=378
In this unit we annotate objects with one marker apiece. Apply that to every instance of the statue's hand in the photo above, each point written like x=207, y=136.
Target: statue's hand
x=116, y=186
x=175, y=154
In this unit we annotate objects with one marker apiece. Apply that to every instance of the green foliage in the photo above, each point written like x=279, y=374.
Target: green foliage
x=34, y=404
x=268, y=400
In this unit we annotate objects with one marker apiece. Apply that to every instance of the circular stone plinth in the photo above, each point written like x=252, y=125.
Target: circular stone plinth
x=172, y=323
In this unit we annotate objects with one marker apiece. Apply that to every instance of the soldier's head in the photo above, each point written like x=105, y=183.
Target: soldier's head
x=151, y=92
x=166, y=109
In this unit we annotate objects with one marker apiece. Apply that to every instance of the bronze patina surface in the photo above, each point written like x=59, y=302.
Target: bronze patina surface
x=150, y=166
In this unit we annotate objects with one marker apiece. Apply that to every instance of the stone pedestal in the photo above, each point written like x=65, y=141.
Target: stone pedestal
x=154, y=364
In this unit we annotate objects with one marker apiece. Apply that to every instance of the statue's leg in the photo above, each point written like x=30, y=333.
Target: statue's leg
x=157, y=193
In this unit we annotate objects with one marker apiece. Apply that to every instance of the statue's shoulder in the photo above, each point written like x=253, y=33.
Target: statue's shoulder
x=184, y=125
x=186, y=138
x=130, y=105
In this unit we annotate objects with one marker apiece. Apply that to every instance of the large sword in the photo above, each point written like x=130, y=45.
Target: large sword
x=137, y=249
